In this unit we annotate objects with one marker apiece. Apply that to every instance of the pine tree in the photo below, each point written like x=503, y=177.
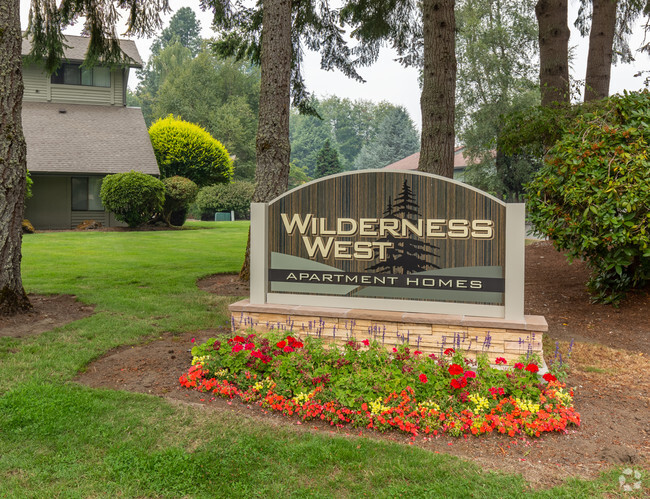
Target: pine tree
x=408, y=254
x=327, y=162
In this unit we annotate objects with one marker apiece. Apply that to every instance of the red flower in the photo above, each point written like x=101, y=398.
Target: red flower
x=291, y=339
x=549, y=377
x=366, y=342
x=298, y=344
x=216, y=345
x=192, y=340
x=455, y=369
x=417, y=352
x=239, y=339
x=455, y=383
x=249, y=346
x=463, y=382
x=257, y=354
x=281, y=344
x=470, y=374
x=237, y=348
x=532, y=368
x=519, y=365
x=501, y=360
x=423, y=378
x=287, y=349
x=450, y=351
x=432, y=356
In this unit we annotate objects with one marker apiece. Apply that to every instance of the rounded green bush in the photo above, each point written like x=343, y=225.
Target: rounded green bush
x=187, y=150
x=179, y=193
x=225, y=197
x=133, y=197
x=592, y=196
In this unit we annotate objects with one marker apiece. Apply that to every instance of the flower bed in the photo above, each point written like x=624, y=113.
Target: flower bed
x=364, y=385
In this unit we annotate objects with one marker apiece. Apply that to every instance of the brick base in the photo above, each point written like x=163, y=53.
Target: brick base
x=429, y=333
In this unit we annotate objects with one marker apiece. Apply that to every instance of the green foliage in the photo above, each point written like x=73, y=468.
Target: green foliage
x=179, y=193
x=225, y=197
x=134, y=197
x=297, y=176
x=396, y=139
x=187, y=150
x=327, y=161
x=28, y=185
x=592, y=197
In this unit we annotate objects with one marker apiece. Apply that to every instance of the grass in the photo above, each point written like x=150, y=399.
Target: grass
x=59, y=439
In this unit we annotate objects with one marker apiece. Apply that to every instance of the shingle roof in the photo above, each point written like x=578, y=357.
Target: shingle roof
x=66, y=138
x=78, y=45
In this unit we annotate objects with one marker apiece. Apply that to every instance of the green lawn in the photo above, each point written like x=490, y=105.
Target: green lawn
x=58, y=439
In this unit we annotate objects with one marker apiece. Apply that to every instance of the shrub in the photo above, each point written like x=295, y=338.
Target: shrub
x=187, y=150
x=225, y=197
x=179, y=193
x=134, y=197
x=592, y=196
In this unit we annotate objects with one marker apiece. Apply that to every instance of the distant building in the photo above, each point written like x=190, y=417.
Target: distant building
x=78, y=130
x=411, y=163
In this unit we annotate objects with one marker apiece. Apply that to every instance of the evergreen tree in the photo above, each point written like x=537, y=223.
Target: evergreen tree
x=327, y=162
x=396, y=139
x=408, y=254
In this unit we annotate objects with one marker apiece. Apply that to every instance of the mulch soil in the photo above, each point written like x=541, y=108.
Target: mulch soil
x=610, y=359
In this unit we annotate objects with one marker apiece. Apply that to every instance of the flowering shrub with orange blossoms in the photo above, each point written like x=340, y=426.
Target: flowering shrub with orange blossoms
x=364, y=385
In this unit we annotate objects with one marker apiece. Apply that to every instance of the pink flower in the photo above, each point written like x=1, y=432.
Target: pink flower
x=394, y=350
x=470, y=374
x=366, y=342
x=519, y=366
x=501, y=360
x=417, y=352
x=192, y=340
x=249, y=346
x=287, y=349
x=432, y=356
x=237, y=348
x=423, y=378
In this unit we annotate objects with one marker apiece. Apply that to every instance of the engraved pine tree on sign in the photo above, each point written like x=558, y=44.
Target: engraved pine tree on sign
x=408, y=253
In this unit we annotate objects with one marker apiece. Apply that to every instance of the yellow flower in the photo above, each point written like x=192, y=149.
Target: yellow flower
x=480, y=403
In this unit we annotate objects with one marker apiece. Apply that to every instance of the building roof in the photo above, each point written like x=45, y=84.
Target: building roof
x=67, y=138
x=411, y=162
x=78, y=45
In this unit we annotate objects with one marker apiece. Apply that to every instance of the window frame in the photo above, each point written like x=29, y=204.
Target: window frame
x=59, y=78
x=86, y=182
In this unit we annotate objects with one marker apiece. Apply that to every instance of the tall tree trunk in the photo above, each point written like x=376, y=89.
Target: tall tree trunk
x=272, y=144
x=437, y=101
x=553, y=51
x=599, y=60
x=12, y=161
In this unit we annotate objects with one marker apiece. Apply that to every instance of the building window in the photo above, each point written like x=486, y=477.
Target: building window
x=85, y=194
x=74, y=74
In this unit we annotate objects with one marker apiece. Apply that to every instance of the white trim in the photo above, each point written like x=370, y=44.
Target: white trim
x=515, y=260
x=259, y=257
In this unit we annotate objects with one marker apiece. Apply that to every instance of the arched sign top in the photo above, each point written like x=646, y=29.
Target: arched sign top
x=384, y=239
x=372, y=172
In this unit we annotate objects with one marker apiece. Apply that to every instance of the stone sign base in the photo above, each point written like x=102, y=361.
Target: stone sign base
x=429, y=333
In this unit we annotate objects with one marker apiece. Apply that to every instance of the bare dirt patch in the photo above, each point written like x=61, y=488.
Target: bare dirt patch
x=49, y=312
x=610, y=359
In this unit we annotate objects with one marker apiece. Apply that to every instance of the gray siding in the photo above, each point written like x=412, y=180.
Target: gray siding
x=36, y=84
x=38, y=88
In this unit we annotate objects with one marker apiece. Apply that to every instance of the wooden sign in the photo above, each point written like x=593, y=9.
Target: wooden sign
x=388, y=240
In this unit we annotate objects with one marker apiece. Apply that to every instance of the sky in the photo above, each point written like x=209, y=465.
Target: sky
x=388, y=80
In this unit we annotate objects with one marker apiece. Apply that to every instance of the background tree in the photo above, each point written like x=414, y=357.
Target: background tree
x=498, y=74
x=46, y=22
x=396, y=139
x=327, y=162
x=423, y=32
x=13, y=160
x=184, y=28
x=187, y=150
x=553, y=51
